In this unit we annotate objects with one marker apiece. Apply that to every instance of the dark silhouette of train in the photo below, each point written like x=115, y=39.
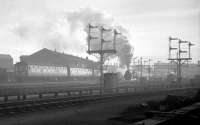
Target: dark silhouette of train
x=127, y=75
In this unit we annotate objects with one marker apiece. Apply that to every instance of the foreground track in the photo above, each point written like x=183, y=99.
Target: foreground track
x=184, y=116
x=16, y=107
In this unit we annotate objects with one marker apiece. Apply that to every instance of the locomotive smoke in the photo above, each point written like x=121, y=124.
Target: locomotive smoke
x=85, y=16
x=66, y=31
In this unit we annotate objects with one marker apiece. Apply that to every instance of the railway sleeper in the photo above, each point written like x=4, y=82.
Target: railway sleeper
x=11, y=110
x=50, y=104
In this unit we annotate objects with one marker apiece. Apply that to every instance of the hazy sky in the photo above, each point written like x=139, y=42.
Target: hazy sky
x=29, y=25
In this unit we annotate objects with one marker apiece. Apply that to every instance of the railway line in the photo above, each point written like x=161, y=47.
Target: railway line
x=183, y=116
x=45, y=104
x=10, y=92
x=91, y=96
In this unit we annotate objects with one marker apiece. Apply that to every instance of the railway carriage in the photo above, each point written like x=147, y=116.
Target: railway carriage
x=47, y=65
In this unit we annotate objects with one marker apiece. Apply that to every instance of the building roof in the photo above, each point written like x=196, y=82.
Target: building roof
x=49, y=57
x=6, y=61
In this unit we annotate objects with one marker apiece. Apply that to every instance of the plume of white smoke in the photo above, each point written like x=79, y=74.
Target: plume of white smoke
x=52, y=32
x=66, y=31
x=85, y=16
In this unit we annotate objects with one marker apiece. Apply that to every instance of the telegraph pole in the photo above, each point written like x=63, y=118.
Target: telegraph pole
x=135, y=68
x=141, y=68
x=138, y=69
x=101, y=59
x=149, y=69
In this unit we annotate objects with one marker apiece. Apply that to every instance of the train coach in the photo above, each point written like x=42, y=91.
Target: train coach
x=47, y=65
x=26, y=72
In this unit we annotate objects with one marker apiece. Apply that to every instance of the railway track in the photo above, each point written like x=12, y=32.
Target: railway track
x=10, y=108
x=23, y=106
x=184, y=116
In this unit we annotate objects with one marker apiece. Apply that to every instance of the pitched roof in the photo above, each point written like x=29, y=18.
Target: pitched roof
x=49, y=57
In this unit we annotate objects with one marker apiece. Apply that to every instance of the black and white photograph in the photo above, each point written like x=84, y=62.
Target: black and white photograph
x=99, y=62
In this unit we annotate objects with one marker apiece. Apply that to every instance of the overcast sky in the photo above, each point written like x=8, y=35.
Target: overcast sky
x=29, y=25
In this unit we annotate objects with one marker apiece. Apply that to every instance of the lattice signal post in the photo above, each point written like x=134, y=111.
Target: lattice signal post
x=179, y=51
x=101, y=51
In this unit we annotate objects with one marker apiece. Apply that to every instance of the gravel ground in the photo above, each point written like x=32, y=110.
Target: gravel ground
x=87, y=114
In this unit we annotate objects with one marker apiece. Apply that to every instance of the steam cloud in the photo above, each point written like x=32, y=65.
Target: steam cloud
x=85, y=16
x=66, y=31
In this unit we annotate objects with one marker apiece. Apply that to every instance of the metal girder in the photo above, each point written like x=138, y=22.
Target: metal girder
x=180, y=59
x=171, y=48
x=171, y=38
x=103, y=51
x=181, y=41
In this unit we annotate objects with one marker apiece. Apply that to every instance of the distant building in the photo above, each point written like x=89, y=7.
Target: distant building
x=6, y=68
x=191, y=70
x=161, y=70
x=6, y=62
x=144, y=70
x=49, y=57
